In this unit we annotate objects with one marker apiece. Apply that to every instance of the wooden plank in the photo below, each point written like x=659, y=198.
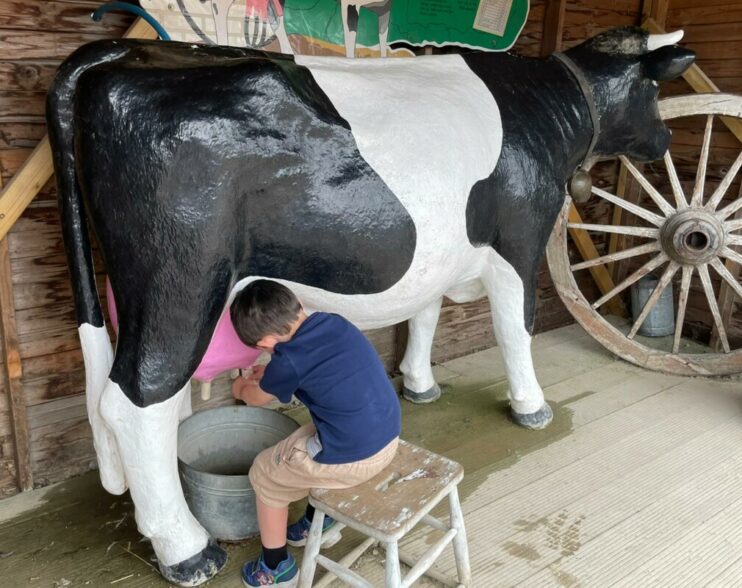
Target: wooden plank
x=703, y=14
x=33, y=76
x=553, y=27
x=588, y=251
x=655, y=9
x=50, y=15
x=38, y=169
x=14, y=372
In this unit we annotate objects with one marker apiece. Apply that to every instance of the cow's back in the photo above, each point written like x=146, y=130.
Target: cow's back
x=235, y=157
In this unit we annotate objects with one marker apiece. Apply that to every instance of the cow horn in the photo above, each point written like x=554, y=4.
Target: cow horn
x=657, y=41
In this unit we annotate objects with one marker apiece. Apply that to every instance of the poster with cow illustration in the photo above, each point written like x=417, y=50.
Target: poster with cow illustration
x=354, y=28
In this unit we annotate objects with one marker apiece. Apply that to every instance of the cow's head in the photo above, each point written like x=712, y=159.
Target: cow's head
x=623, y=67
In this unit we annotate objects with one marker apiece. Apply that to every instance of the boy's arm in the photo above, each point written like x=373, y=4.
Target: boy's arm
x=249, y=391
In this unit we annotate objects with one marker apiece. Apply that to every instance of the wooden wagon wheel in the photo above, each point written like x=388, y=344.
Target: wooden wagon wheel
x=680, y=236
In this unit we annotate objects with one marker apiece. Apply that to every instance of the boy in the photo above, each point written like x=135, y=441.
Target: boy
x=332, y=368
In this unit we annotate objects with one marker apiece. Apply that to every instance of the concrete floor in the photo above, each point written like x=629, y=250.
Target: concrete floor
x=637, y=482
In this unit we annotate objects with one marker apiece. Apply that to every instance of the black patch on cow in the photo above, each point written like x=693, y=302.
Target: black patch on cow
x=204, y=165
x=546, y=131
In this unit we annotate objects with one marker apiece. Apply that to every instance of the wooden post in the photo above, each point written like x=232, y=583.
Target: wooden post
x=13, y=371
x=553, y=28
x=656, y=10
x=38, y=168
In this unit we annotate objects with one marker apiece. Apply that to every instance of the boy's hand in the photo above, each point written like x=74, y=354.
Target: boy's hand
x=247, y=389
x=256, y=373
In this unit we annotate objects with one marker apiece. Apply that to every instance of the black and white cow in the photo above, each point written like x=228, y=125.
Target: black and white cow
x=372, y=188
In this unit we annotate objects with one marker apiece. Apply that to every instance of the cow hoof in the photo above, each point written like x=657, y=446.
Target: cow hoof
x=430, y=395
x=196, y=569
x=535, y=420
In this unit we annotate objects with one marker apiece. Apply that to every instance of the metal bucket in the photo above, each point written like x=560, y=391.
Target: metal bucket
x=660, y=321
x=216, y=448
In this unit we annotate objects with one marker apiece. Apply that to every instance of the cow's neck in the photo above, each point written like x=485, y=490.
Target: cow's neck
x=542, y=107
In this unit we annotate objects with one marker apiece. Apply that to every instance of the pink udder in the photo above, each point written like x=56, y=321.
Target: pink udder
x=226, y=352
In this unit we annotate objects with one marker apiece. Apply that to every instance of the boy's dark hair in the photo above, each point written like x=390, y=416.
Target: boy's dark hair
x=263, y=308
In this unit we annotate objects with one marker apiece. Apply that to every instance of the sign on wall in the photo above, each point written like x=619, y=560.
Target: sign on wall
x=351, y=27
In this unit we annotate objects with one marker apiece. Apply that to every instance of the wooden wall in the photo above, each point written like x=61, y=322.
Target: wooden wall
x=35, y=35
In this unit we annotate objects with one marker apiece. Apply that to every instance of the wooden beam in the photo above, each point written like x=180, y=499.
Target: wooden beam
x=13, y=372
x=600, y=274
x=629, y=190
x=656, y=10
x=699, y=81
x=37, y=170
x=553, y=28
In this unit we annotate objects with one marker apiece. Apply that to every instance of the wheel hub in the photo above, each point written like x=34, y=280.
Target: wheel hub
x=692, y=237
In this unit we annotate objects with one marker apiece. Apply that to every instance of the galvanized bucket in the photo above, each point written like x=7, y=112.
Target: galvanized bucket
x=660, y=321
x=216, y=448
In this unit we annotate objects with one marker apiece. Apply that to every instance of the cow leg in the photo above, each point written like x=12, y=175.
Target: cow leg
x=186, y=405
x=147, y=439
x=164, y=330
x=419, y=384
x=384, y=13
x=98, y=357
x=349, y=14
x=506, y=295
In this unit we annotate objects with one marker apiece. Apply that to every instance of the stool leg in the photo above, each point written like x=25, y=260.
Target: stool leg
x=460, y=546
x=311, y=550
x=393, y=573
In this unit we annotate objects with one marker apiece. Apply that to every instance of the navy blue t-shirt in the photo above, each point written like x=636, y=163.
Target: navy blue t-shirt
x=333, y=369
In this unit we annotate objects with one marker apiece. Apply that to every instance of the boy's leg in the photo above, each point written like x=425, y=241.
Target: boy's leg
x=272, y=522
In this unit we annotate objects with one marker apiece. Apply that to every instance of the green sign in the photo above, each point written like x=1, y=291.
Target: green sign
x=416, y=22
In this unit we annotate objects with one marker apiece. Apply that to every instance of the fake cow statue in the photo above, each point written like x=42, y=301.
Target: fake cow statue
x=372, y=188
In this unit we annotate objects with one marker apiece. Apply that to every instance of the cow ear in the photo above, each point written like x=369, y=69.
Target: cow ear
x=667, y=63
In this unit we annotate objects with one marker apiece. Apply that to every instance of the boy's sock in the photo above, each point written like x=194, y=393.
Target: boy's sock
x=310, y=513
x=274, y=556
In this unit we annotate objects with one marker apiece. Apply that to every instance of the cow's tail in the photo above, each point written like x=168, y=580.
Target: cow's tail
x=96, y=345
x=61, y=128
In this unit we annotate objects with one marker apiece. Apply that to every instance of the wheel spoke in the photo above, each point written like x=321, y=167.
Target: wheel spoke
x=725, y=183
x=620, y=229
x=633, y=252
x=648, y=216
x=727, y=276
x=731, y=254
x=734, y=225
x=697, y=198
x=682, y=303
x=730, y=209
x=734, y=239
x=703, y=271
x=654, y=297
x=677, y=189
x=652, y=264
x=659, y=200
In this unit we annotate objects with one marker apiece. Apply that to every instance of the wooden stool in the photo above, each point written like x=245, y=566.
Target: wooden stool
x=385, y=509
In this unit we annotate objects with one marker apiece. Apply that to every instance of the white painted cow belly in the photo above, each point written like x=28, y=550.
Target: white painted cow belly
x=431, y=130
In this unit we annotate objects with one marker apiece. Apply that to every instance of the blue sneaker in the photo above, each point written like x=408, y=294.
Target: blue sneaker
x=256, y=573
x=296, y=534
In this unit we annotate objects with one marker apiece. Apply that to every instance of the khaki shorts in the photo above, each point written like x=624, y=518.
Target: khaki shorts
x=285, y=472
